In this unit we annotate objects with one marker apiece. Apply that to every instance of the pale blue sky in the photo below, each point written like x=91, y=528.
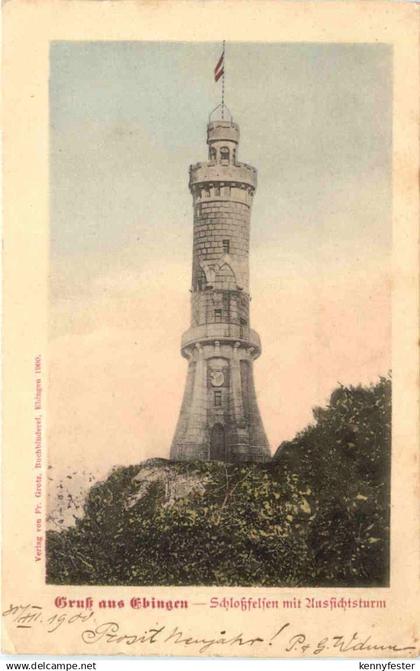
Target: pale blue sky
x=127, y=119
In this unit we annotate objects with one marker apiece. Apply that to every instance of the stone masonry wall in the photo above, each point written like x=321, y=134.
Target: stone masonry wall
x=215, y=221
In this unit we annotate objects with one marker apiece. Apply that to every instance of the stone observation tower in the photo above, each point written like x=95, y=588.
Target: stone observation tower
x=219, y=417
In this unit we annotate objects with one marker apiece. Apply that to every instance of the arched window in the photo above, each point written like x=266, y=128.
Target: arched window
x=212, y=154
x=224, y=156
x=225, y=278
x=201, y=280
x=234, y=157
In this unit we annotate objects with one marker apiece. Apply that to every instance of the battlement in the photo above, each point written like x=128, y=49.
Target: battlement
x=239, y=173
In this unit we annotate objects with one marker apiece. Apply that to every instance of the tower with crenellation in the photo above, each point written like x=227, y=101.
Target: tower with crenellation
x=219, y=417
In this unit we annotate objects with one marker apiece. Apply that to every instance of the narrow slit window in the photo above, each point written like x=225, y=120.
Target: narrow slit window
x=218, y=398
x=226, y=246
x=218, y=315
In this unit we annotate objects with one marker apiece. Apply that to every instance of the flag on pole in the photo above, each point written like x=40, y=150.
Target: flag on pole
x=219, y=69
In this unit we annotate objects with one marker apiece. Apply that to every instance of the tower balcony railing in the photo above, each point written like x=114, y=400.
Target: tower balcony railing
x=222, y=332
x=242, y=173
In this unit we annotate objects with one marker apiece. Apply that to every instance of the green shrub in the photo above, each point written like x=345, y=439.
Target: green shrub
x=318, y=514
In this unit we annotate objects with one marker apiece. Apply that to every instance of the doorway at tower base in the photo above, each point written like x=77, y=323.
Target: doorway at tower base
x=219, y=418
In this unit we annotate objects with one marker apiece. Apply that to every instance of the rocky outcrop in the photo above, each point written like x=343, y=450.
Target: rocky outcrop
x=172, y=485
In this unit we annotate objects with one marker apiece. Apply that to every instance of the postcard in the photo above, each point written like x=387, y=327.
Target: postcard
x=210, y=329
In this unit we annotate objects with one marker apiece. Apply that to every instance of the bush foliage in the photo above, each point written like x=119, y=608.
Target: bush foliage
x=317, y=515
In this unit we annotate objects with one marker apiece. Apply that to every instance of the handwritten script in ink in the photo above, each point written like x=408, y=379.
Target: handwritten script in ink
x=287, y=638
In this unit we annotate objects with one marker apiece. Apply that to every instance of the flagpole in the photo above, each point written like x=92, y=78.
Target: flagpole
x=223, y=82
x=219, y=72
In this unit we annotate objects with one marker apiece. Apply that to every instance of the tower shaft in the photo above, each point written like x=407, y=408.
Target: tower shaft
x=219, y=416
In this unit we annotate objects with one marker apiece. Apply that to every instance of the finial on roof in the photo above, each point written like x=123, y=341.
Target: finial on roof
x=219, y=113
